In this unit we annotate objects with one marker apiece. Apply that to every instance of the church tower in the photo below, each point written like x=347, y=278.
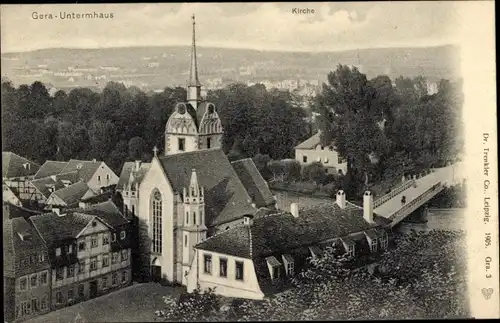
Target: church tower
x=194, y=124
x=194, y=229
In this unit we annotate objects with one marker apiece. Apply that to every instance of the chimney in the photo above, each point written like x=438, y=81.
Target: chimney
x=94, y=160
x=294, y=209
x=137, y=165
x=341, y=202
x=56, y=210
x=82, y=205
x=248, y=219
x=368, y=207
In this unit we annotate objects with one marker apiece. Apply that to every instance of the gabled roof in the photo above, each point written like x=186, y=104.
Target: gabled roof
x=282, y=232
x=108, y=212
x=43, y=185
x=16, y=249
x=73, y=193
x=13, y=211
x=13, y=166
x=255, y=185
x=53, y=227
x=225, y=196
x=50, y=167
x=130, y=168
x=310, y=143
x=85, y=168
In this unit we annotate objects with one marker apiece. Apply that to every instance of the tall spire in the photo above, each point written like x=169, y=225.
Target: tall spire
x=193, y=72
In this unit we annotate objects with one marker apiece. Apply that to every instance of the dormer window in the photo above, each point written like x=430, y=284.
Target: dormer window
x=27, y=166
x=349, y=246
x=58, y=252
x=373, y=245
x=289, y=264
x=211, y=108
x=79, y=166
x=274, y=267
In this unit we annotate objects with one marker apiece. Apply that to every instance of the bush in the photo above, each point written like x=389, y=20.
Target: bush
x=314, y=172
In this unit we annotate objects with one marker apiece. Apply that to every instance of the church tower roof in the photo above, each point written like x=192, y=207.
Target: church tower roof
x=193, y=72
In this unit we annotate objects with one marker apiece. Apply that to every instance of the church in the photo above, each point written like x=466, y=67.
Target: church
x=191, y=191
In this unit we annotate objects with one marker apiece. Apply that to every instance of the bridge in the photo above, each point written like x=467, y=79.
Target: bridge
x=417, y=190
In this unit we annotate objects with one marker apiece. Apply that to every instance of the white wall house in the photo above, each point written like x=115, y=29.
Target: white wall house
x=312, y=150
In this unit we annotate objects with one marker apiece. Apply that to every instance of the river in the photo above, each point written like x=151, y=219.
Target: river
x=448, y=219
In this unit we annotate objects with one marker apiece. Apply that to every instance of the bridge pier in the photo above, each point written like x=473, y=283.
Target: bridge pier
x=419, y=215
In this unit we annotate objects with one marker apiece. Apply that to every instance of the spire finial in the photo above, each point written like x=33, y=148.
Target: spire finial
x=193, y=72
x=155, y=151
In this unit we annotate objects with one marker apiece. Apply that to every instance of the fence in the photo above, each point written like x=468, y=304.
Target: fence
x=393, y=193
x=410, y=205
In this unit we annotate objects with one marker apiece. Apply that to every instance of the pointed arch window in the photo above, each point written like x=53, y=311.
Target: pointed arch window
x=156, y=210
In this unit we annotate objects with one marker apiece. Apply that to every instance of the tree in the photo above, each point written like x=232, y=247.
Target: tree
x=314, y=172
x=136, y=148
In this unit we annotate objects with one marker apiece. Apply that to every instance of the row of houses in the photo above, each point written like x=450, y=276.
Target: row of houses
x=57, y=259
x=55, y=183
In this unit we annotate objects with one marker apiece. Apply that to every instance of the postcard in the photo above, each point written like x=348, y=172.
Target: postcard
x=249, y=161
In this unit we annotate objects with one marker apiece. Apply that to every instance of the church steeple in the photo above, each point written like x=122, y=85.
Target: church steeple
x=194, y=86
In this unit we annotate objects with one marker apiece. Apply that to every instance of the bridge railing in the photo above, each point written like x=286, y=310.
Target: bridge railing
x=415, y=201
x=393, y=193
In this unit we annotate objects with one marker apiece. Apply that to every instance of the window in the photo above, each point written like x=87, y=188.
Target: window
x=99, y=179
x=208, y=264
x=223, y=267
x=60, y=273
x=70, y=294
x=157, y=232
x=181, y=142
x=24, y=308
x=114, y=257
x=23, y=283
x=34, y=305
x=304, y=159
x=133, y=209
x=81, y=291
x=41, y=257
x=113, y=237
x=124, y=254
x=43, y=278
x=43, y=303
x=93, y=242
x=71, y=271
x=105, y=239
x=384, y=242
x=81, y=267
x=114, y=279
x=209, y=142
x=239, y=270
x=104, y=282
x=276, y=272
x=58, y=252
x=93, y=263
x=81, y=246
x=325, y=160
x=350, y=251
x=59, y=298
x=105, y=261
x=187, y=217
x=194, y=217
x=124, y=277
x=107, y=178
x=289, y=268
x=122, y=235
x=373, y=245
x=33, y=281
x=318, y=159
x=185, y=240
x=69, y=249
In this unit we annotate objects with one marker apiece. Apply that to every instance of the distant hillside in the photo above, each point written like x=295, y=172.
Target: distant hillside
x=162, y=66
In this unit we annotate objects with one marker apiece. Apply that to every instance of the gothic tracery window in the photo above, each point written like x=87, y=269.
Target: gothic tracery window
x=156, y=207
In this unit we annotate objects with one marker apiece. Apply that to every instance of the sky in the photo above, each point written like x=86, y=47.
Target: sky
x=261, y=26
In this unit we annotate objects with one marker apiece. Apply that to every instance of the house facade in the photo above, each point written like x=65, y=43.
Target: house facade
x=27, y=272
x=312, y=150
x=248, y=262
x=17, y=171
x=89, y=252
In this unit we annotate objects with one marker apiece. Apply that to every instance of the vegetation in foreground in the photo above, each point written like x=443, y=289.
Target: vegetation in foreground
x=422, y=277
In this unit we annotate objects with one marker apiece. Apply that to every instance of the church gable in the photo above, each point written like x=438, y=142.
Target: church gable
x=182, y=120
